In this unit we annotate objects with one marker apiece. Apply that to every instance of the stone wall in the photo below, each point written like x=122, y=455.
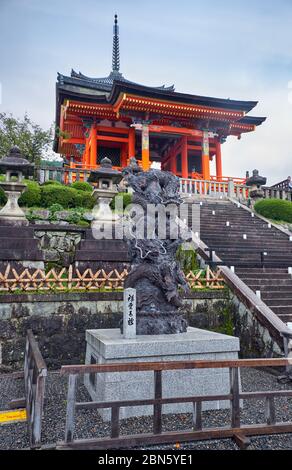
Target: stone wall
x=58, y=247
x=59, y=322
x=256, y=340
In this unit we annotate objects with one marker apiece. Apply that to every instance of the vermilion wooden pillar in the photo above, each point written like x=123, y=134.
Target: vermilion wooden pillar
x=206, y=156
x=173, y=162
x=123, y=156
x=184, y=158
x=218, y=160
x=132, y=141
x=85, y=158
x=145, y=147
x=93, y=147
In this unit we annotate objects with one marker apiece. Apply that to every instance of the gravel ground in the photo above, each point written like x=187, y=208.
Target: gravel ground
x=89, y=424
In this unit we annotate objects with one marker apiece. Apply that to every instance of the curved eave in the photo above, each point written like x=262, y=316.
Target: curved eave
x=103, y=83
x=252, y=120
x=121, y=87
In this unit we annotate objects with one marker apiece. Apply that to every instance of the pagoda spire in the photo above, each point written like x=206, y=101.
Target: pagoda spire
x=116, y=46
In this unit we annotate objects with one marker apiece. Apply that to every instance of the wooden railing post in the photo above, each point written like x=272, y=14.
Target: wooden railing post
x=157, y=415
x=71, y=403
x=197, y=415
x=235, y=401
x=115, y=423
x=38, y=411
x=270, y=411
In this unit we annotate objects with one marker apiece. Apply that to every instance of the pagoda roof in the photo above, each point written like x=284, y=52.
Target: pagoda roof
x=104, y=84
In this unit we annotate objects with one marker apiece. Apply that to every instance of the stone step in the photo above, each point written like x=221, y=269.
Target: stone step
x=265, y=276
x=86, y=255
x=92, y=245
x=267, y=282
x=284, y=302
x=286, y=318
x=10, y=232
x=19, y=243
x=269, y=270
x=20, y=255
x=282, y=310
x=279, y=293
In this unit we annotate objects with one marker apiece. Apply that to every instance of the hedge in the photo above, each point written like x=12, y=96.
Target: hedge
x=51, y=194
x=275, y=209
x=65, y=196
x=32, y=196
x=82, y=186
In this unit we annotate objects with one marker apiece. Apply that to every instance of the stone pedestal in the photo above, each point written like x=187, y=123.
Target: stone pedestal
x=109, y=346
x=11, y=213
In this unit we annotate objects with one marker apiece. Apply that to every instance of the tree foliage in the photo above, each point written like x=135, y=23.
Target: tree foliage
x=32, y=140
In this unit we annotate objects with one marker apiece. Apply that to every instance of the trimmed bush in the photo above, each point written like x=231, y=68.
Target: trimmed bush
x=57, y=194
x=83, y=199
x=82, y=186
x=65, y=196
x=32, y=196
x=48, y=183
x=275, y=209
x=127, y=200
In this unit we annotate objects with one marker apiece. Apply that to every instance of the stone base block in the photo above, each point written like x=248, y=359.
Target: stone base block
x=108, y=346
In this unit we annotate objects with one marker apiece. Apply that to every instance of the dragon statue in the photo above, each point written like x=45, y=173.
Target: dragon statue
x=155, y=272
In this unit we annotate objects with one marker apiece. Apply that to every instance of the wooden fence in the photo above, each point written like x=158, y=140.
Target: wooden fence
x=72, y=279
x=35, y=373
x=236, y=430
x=30, y=407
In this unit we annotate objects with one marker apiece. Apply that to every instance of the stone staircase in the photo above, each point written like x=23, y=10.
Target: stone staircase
x=18, y=245
x=244, y=244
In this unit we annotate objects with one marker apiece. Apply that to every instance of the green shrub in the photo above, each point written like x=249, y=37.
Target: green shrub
x=3, y=198
x=82, y=186
x=127, y=200
x=83, y=223
x=65, y=196
x=275, y=209
x=57, y=194
x=187, y=260
x=83, y=199
x=56, y=208
x=32, y=196
x=73, y=218
x=48, y=183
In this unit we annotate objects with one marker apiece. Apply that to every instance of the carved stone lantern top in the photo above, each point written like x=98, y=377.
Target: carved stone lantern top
x=14, y=164
x=256, y=180
x=105, y=175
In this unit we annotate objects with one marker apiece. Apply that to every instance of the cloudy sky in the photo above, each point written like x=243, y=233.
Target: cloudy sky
x=239, y=49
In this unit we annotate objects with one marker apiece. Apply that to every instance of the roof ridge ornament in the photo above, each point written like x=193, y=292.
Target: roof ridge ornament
x=116, y=46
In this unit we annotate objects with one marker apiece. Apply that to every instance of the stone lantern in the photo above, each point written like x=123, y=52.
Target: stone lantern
x=106, y=180
x=255, y=182
x=14, y=165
